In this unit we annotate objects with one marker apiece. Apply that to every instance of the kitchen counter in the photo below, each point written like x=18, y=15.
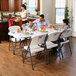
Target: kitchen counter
x=3, y=21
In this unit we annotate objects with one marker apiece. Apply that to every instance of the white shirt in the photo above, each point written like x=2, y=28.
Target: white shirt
x=39, y=23
x=23, y=14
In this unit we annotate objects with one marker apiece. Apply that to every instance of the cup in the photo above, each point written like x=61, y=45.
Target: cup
x=25, y=30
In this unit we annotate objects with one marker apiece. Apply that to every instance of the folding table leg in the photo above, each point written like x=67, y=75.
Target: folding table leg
x=21, y=52
x=14, y=47
x=46, y=57
x=62, y=53
x=31, y=61
x=70, y=48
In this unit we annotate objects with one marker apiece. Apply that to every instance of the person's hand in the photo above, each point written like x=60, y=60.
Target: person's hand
x=23, y=25
x=19, y=18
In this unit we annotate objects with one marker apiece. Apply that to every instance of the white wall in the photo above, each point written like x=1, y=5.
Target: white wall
x=48, y=7
x=45, y=8
x=74, y=18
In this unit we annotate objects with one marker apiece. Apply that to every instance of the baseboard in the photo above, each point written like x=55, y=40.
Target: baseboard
x=74, y=34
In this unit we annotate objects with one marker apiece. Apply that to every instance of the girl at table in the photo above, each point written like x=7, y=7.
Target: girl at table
x=11, y=19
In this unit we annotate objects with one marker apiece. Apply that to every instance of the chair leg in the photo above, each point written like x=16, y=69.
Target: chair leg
x=62, y=53
x=22, y=52
x=49, y=57
x=46, y=55
x=31, y=61
x=70, y=48
x=14, y=47
x=12, y=44
x=59, y=52
x=9, y=45
x=22, y=57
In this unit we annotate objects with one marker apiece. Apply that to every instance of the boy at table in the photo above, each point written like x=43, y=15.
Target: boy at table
x=64, y=28
x=41, y=21
x=65, y=25
x=29, y=26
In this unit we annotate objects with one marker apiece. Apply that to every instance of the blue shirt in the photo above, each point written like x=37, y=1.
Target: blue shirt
x=67, y=27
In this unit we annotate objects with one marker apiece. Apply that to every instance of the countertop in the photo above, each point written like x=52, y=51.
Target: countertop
x=3, y=21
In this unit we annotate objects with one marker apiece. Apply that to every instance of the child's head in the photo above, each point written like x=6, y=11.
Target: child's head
x=30, y=23
x=65, y=22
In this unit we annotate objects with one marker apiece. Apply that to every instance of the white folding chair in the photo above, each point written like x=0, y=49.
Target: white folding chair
x=51, y=38
x=12, y=39
x=65, y=36
x=34, y=47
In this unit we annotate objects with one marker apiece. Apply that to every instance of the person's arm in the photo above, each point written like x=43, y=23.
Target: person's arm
x=35, y=22
x=48, y=24
x=63, y=30
x=25, y=16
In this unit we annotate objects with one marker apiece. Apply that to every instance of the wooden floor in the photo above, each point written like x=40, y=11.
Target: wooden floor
x=11, y=65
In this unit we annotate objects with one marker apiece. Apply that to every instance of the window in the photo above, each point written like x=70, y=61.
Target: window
x=60, y=10
x=31, y=4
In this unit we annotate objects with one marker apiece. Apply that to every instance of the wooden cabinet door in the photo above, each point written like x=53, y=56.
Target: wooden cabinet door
x=17, y=6
x=11, y=5
x=0, y=5
x=4, y=5
x=14, y=5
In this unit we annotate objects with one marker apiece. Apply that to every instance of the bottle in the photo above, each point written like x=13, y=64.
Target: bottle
x=33, y=28
x=51, y=26
x=54, y=27
x=18, y=30
x=42, y=28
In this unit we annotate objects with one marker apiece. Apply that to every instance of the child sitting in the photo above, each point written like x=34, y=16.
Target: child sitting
x=64, y=28
x=65, y=25
x=29, y=26
x=10, y=20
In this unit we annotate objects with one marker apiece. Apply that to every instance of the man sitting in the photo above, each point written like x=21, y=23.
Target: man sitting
x=41, y=21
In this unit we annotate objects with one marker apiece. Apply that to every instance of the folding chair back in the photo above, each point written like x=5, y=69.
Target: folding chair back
x=53, y=36
x=66, y=33
x=14, y=28
x=39, y=39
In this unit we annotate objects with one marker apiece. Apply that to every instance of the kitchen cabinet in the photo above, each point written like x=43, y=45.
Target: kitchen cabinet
x=0, y=5
x=14, y=5
x=4, y=5
x=10, y=5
